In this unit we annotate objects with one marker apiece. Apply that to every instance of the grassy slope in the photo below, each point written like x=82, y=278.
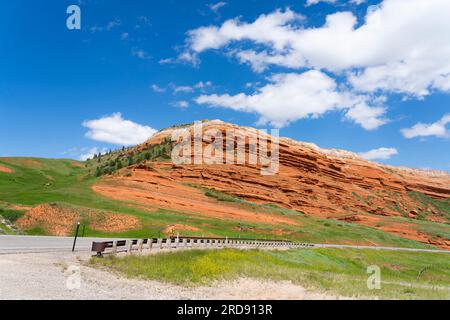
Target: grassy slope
x=37, y=181
x=404, y=275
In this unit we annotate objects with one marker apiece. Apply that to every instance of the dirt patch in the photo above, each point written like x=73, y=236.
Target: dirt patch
x=59, y=220
x=111, y=222
x=171, y=230
x=77, y=164
x=19, y=207
x=55, y=219
x=277, y=232
x=6, y=169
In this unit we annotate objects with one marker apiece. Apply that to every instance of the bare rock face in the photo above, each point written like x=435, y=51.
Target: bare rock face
x=331, y=184
x=312, y=180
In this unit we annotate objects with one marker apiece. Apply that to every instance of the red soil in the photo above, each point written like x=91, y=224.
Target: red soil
x=6, y=169
x=173, y=229
x=109, y=222
x=59, y=220
x=56, y=220
x=154, y=189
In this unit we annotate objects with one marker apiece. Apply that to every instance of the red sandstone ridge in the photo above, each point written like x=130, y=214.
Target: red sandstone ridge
x=322, y=182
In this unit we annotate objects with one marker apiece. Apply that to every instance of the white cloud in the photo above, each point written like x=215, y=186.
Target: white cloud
x=115, y=130
x=292, y=96
x=167, y=61
x=90, y=153
x=401, y=46
x=182, y=89
x=124, y=36
x=379, y=154
x=183, y=104
x=368, y=117
x=139, y=53
x=188, y=58
x=113, y=24
x=143, y=21
x=157, y=88
x=437, y=129
x=215, y=7
x=313, y=2
x=358, y=2
x=201, y=85
x=108, y=27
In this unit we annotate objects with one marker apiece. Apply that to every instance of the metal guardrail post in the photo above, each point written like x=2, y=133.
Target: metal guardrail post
x=150, y=244
x=140, y=245
x=129, y=246
x=114, y=248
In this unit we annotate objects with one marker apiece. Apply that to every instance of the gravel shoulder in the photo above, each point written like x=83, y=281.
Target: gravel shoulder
x=62, y=275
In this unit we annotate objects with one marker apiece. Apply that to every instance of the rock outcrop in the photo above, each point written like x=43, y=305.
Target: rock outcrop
x=312, y=180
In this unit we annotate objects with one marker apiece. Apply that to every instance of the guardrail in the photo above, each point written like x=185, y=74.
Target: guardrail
x=114, y=247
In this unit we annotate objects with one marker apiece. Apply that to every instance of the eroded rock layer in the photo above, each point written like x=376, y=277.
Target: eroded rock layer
x=322, y=182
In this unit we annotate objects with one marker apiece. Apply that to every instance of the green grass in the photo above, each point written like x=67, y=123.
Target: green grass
x=357, y=196
x=404, y=275
x=220, y=196
x=4, y=229
x=11, y=215
x=442, y=206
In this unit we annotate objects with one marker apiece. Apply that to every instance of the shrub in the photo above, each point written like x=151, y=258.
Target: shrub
x=11, y=215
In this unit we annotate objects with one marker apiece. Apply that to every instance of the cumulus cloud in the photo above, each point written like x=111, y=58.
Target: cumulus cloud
x=437, y=129
x=116, y=130
x=379, y=154
x=289, y=97
x=401, y=46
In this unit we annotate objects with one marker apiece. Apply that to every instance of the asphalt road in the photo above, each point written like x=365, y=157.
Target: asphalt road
x=37, y=244
x=30, y=244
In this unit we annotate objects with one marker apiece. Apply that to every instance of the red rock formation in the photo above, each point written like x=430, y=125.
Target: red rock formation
x=312, y=180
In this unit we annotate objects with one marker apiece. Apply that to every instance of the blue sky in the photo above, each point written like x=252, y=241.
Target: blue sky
x=341, y=74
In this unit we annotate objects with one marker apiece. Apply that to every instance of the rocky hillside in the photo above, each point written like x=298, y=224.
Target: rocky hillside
x=311, y=180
